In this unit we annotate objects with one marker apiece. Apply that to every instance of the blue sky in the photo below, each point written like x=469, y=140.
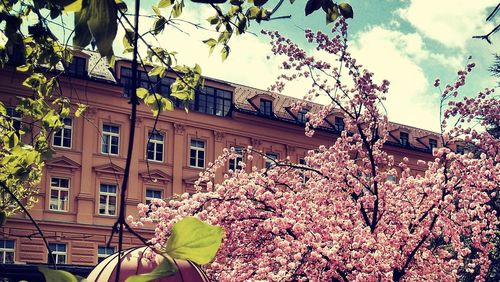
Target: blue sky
x=408, y=42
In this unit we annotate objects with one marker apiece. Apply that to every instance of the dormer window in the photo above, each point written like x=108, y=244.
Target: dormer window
x=78, y=67
x=404, y=138
x=433, y=143
x=213, y=101
x=266, y=107
x=339, y=124
x=301, y=116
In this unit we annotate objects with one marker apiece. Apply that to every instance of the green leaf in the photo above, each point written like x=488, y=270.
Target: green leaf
x=157, y=71
x=103, y=25
x=167, y=104
x=57, y=275
x=346, y=10
x=259, y=2
x=252, y=12
x=141, y=92
x=165, y=3
x=127, y=39
x=81, y=108
x=197, y=69
x=24, y=68
x=181, y=95
x=312, y=5
x=122, y=6
x=224, y=37
x=332, y=15
x=327, y=5
x=159, y=25
x=32, y=157
x=68, y=5
x=225, y=52
x=74, y=7
x=210, y=42
x=177, y=9
x=213, y=19
x=3, y=218
x=164, y=269
x=242, y=25
x=13, y=139
x=156, y=10
x=82, y=36
x=194, y=240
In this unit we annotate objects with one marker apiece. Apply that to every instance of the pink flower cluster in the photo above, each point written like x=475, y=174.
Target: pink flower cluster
x=338, y=217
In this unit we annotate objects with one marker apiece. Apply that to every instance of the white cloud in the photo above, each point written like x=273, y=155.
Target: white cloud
x=246, y=64
x=450, y=22
x=397, y=56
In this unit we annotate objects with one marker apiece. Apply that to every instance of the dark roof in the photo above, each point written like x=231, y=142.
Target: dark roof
x=99, y=70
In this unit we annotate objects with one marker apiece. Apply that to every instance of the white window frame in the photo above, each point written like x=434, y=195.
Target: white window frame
x=103, y=256
x=4, y=250
x=59, y=189
x=155, y=143
x=233, y=163
x=107, y=194
x=56, y=254
x=149, y=199
x=197, y=152
x=110, y=135
x=269, y=160
x=63, y=135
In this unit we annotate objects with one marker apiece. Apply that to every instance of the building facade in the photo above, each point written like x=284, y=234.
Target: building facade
x=79, y=194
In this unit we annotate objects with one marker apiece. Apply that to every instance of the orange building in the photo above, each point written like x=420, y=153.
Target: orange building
x=78, y=198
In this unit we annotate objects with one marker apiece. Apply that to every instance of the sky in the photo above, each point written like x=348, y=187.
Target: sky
x=408, y=42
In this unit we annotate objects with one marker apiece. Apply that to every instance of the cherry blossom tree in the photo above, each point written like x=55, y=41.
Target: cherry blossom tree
x=337, y=217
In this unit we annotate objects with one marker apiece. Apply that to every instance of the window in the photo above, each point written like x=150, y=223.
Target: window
x=391, y=178
x=302, y=175
x=301, y=116
x=77, y=67
x=15, y=54
x=234, y=163
x=107, y=199
x=155, y=147
x=7, y=251
x=126, y=80
x=339, y=124
x=59, y=194
x=104, y=252
x=270, y=158
x=62, y=137
x=152, y=194
x=404, y=138
x=110, y=139
x=15, y=117
x=142, y=80
x=59, y=253
x=160, y=85
x=433, y=143
x=197, y=153
x=266, y=107
x=213, y=101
